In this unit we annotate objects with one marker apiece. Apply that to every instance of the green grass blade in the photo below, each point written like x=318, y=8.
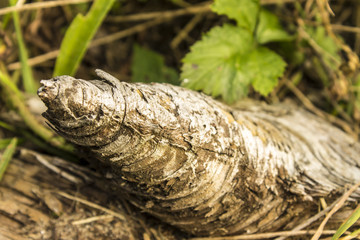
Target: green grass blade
x=15, y=98
x=6, y=81
x=7, y=126
x=354, y=234
x=78, y=36
x=4, y=142
x=7, y=155
x=349, y=222
x=65, y=153
x=30, y=85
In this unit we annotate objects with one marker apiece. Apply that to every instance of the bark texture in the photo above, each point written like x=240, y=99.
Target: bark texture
x=197, y=164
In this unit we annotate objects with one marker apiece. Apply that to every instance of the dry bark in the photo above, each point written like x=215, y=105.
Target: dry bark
x=197, y=164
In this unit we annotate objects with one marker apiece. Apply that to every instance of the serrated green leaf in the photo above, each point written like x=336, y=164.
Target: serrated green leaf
x=245, y=12
x=78, y=36
x=214, y=63
x=265, y=67
x=269, y=29
x=348, y=223
x=149, y=66
x=226, y=61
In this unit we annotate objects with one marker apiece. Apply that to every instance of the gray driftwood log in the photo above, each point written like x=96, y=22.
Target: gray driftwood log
x=196, y=163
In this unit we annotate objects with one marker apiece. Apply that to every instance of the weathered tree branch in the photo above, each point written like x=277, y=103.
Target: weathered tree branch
x=198, y=164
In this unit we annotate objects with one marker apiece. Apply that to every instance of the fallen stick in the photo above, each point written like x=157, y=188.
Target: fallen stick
x=200, y=165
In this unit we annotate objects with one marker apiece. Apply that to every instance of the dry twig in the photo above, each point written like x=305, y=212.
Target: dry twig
x=266, y=235
x=47, y=164
x=344, y=28
x=312, y=219
x=337, y=206
x=201, y=8
x=185, y=31
x=93, y=205
x=92, y=219
x=39, y=5
x=97, y=42
x=310, y=106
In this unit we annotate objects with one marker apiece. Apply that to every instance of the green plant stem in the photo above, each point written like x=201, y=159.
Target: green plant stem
x=65, y=154
x=6, y=81
x=7, y=156
x=15, y=98
x=28, y=79
x=5, y=142
x=7, y=126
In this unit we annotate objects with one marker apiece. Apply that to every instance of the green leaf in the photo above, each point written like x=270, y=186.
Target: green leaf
x=149, y=66
x=30, y=85
x=245, y=12
x=269, y=29
x=265, y=67
x=225, y=62
x=78, y=37
x=6, y=156
x=214, y=63
x=349, y=222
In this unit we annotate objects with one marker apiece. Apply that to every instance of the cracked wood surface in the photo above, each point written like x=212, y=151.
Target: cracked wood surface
x=200, y=165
